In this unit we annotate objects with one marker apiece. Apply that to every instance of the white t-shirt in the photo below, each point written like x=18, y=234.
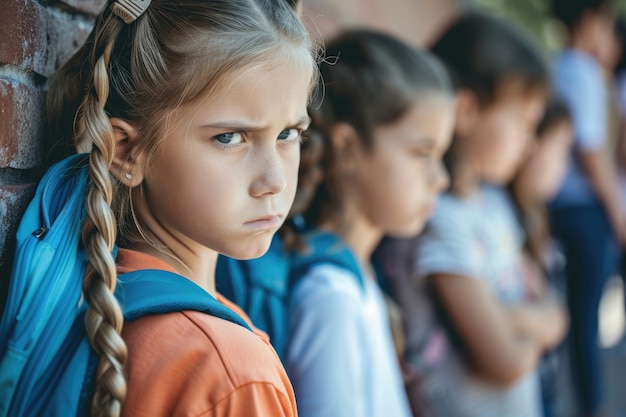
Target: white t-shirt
x=340, y=357
x=578, y=80
x=479, y=238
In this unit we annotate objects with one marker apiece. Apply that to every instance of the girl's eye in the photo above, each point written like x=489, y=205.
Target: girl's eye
x=422, y=154
x=230, y=138
x=289, y=134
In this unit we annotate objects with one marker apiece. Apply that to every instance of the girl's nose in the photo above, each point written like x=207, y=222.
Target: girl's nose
x=270, y=175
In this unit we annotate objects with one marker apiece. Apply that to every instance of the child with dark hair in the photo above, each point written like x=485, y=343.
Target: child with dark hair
x=587, y=216
x=619, y=85
x=576, y=13
x=540, y=177
x=381, y=130
x=531, y=190
x=468, y=264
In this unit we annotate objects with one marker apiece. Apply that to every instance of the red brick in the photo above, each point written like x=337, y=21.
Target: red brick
x=40, y=39
x=90, y=7
x=23, y=35
x=21, y=118
x=13, y=202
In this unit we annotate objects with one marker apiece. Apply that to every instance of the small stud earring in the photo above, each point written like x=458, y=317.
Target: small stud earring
x=130, y=177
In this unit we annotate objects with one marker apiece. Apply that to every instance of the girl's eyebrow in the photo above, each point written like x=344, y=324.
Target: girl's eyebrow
x=248, y=126
x=422, y=141
x=303, y=121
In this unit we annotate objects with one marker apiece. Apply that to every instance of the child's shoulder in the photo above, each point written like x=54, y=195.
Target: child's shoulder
x=572, y=60
x=496, y=200
x=194, y=361
x=327, y=265
x=573, y=69
x=491, y=193
x=453, y=209
x=325, y=279
x=455, y=213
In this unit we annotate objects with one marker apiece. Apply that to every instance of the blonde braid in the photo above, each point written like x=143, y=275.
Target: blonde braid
x=104, y=317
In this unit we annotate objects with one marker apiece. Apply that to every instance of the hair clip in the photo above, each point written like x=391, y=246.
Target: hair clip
x=130, y=10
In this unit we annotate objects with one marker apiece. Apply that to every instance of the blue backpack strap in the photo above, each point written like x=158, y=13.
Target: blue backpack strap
x=140, y=293
x=152, y=291
x=324, y=248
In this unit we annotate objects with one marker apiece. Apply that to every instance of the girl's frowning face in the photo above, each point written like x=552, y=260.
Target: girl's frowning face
x=226, y=174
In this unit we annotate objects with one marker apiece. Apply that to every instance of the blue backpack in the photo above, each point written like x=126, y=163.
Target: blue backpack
x=47, y=365
x=262, y=286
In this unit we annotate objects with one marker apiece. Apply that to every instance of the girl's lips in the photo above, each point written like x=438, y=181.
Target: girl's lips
x=267, y=222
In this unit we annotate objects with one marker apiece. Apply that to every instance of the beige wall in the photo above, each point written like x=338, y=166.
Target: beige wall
x=415, y=21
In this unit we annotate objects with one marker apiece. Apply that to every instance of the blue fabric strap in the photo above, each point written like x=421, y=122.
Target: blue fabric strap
x=324, y=247
x=152, y=291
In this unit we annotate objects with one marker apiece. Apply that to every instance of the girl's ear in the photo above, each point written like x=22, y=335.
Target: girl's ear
x=128, y=164
x=346, y=142
x=467, y=110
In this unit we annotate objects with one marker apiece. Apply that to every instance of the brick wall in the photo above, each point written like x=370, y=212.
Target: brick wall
x=35, y=38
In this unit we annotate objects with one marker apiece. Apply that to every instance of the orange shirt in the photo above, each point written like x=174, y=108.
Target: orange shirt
x=192, y=364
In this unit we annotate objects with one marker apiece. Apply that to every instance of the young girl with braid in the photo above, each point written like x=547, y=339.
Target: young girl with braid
x=381, y=130
x=191, y=112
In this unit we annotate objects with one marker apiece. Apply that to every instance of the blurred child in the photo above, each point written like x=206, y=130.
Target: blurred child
x=533, y=187
x=539, y=178
x=587, y=216
x=192, y=113
x=619, y=85
x=468, y=259
x=384, y=123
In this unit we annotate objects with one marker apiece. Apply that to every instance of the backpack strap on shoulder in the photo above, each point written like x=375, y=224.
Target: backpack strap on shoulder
x=152, y=291
x=328, y=248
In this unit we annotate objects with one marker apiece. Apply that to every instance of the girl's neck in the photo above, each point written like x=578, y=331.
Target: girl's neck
x=190, y=259
x=581, y=44
x=467, y=182
x=359, y=234
x=198, y=267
